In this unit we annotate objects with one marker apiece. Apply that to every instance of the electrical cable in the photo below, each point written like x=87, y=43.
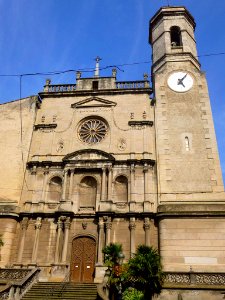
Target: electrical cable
x=90, y=70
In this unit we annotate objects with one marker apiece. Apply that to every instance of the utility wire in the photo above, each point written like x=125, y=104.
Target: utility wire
x=90, y=70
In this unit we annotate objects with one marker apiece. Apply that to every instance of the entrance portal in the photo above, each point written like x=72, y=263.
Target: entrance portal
x=83, y=259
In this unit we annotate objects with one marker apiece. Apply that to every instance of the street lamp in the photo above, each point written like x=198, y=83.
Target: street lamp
x=120, y=263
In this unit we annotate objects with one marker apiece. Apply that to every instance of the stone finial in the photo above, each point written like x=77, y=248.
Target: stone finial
x=114, y=72
x=145, y=75
x=78, y=75
x=46, y=86
x=48, y=81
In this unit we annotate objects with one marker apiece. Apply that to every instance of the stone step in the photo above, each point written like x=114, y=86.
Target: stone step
x=56, y=290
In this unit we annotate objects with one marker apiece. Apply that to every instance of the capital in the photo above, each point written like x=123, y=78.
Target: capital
x=108, y=225
x=67, y=223
x=38, y=223
x=24, y=223
x=146, y=223
x=132, y=224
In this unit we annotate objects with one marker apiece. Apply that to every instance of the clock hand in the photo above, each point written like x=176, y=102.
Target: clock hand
x=180, y=81
x=184, y=77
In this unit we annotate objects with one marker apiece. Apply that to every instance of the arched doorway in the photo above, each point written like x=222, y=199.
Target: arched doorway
x=83, y=259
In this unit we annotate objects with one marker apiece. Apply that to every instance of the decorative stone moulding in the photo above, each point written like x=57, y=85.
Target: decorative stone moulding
x=45, y=126
x=121, y=205
x=140, y=123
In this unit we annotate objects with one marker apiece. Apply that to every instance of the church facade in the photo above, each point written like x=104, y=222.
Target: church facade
x=102, y=161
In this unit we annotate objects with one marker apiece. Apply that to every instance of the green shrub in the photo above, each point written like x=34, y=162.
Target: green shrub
x=132, y=294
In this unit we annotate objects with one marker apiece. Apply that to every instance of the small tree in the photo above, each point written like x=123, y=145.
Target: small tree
x=112, y=260
x=112, y=252
x=145, y=271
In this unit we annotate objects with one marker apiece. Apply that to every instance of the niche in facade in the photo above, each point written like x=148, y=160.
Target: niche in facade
x=121, y=189
x=87, y=192
x=175, y=35
x=55, y=189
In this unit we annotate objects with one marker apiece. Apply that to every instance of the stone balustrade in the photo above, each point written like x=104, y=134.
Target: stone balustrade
x=18, y=281
x=125, y=85
x=142, y=84
x=194, y=279
x=58, y=88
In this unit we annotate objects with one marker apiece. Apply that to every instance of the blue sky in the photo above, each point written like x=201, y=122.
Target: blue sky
x=49, y=35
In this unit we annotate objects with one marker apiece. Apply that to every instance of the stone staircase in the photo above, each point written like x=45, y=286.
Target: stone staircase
x=65, y=290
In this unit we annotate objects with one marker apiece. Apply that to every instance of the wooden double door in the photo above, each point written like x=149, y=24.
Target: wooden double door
x=83, y=259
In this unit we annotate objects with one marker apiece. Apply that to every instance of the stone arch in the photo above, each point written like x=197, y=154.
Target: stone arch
x=87, y=192
x=55, y=188
x=175, y=36
x=121, y=189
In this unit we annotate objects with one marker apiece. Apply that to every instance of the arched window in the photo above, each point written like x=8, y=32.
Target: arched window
x=187, y=144
x=175, y=35
x=121, y=189
x=55, y=189
x=88, y=192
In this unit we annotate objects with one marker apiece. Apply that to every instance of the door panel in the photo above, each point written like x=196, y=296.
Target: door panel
x=83, y=259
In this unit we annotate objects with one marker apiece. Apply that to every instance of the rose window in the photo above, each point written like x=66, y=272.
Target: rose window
x=92, y=131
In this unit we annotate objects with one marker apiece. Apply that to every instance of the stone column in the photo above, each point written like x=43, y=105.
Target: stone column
x=100, y=241
x=146, y=183
x=24, y=225
x=59, y=233
x=33, y=184
x=147, y=231
x=36, y=240
x=108, y=227
x=132, y=227
x=71, y=185
x=110, y=183
x=44, y=188
x=132, y=181
x=67, y=224
x=103, y=192
x=64, y=185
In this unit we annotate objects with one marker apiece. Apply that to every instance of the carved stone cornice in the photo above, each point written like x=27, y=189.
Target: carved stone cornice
x=140, y=123
x=45, y=126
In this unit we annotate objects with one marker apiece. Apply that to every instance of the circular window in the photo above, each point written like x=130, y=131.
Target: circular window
x=92, y=131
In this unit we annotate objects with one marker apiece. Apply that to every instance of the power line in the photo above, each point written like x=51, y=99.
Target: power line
x=90, y=70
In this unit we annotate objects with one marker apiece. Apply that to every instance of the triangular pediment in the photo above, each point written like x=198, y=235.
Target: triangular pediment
x=93, y=102
x=89, y=154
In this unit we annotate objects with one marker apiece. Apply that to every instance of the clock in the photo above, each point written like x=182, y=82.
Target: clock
x=180, y=81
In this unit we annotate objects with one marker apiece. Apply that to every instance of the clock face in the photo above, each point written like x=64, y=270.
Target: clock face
x=180, y=81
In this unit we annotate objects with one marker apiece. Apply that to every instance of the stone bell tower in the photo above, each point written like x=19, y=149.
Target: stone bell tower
x=188, y=163
x=190, y=188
